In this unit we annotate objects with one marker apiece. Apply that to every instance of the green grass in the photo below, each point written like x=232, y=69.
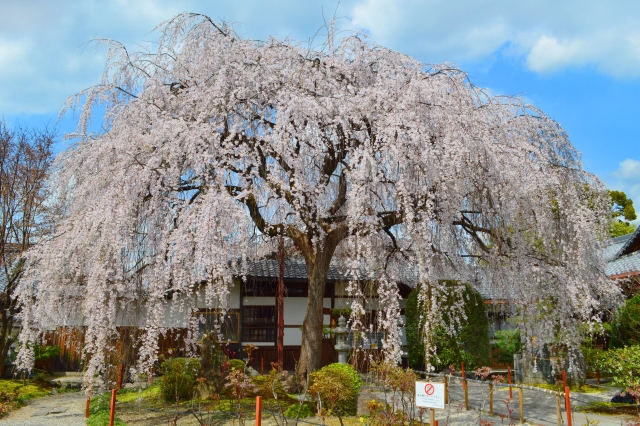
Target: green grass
x=606, y=407
x=580, y=389
x=14, y=393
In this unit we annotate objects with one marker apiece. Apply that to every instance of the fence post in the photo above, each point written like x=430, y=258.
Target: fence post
x=86, y=408
x=432, y=417
x=558, y=410
x=520, y=400
x=446, y=389
x=112, y=411
x=466, y=389
x=151, y=375
x=258, y=410
x=567, y=405
x=509, y=382
x=491, y=399
x=121, y=370
x=262, y=366
x=598, y=376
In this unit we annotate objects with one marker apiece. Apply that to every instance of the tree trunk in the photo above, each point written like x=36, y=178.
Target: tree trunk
x=311, y=348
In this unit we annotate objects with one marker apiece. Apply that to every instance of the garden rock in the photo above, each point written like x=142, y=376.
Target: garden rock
x=626, y=399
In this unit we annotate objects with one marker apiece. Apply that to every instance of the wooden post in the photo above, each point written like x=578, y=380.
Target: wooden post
x=432, y=417
x=280, y=304
x=520, y=400
x=558, y=410
x=262, y=366
x=258, y=410
x=491, y=399
x=465, y=388
x=446, y=389
x=86, y=408
x=121, y=370
x=567, y=405
x=112, y=411
x=598, y=376
x=509, y=382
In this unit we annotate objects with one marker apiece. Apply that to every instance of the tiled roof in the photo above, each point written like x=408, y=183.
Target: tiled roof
x=293, y=270
x=624, y=264
x=620, y=261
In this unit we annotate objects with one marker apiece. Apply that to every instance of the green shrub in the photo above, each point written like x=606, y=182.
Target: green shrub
x=626, y=324
x=236, y=364
x=266, y=384
x=471, y=344
x=178, y=378
x=300, y=411
x=337, y=386
x=623, y=364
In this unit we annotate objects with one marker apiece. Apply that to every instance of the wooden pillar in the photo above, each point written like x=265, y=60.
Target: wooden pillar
x=521, y=402
x=258, y=410
x=262, y=366
x=598, y=376
x=558, y=411
x=112, y=410
x=120, y=372
x=280, y=304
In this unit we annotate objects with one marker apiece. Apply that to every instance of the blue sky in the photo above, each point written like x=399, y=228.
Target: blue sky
x=578, y=60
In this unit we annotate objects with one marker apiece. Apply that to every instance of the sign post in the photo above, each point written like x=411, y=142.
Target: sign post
x=430, y=395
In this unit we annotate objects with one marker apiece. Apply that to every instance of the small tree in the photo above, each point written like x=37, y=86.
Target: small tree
x=25, y=158
x=470, y=340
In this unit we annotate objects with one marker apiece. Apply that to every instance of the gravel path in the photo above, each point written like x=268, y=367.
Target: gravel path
x=70, y=407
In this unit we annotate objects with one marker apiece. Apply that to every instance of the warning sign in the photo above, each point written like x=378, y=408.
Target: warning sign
x=430, y=395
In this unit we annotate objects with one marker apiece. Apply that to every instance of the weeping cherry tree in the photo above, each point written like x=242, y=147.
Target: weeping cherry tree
x=214, y=146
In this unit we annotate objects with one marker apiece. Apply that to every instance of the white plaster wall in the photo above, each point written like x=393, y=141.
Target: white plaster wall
x=233, y=301
x=294, y=310
x=292, y=337
x=326, y=302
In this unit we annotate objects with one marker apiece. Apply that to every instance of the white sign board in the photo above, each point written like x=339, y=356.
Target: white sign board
x=430, y=395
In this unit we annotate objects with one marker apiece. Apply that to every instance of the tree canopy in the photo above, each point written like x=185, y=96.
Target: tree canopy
x=215, y=145
x=623, y=212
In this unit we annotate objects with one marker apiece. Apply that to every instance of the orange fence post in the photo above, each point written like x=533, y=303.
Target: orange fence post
x=112, y=411
x=86, y=408
x=567, y=405
x=258, y=410
x=121, y=368
x=509, y=382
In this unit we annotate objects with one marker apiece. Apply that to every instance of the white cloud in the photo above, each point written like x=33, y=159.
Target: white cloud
x=549, y=34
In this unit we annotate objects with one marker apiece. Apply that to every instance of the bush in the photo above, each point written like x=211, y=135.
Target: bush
x=237, y=364
x=266, y=385
x=300, y=411
x=626, y=324
x=623, y=364
x=178, y=379
x=471, y=345
x=337, y=386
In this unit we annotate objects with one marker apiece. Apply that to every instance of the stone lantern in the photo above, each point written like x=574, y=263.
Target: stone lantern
x=341, y=332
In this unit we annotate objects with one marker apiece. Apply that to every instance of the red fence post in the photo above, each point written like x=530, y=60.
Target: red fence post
x=86, y=408
x=466, y=389
x=567, y=404
x=258, y=410
x=262, y=366
x=509, y=382
x=112, y=411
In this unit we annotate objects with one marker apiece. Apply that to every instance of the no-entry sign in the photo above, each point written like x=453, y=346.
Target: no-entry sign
x=430, y=395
